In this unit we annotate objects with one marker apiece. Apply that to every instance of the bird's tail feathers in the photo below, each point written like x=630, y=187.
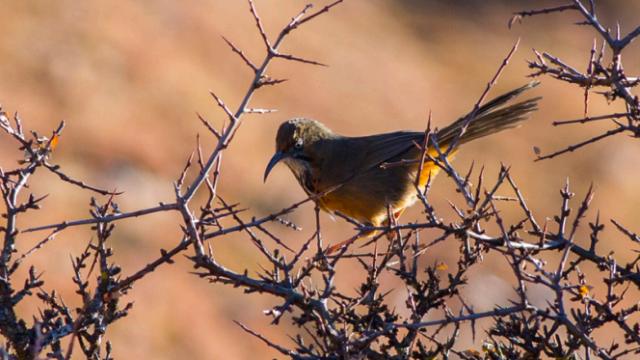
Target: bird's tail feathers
x=491, y=118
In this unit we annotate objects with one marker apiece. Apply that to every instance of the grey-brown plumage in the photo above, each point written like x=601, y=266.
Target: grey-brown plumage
x=321, y=159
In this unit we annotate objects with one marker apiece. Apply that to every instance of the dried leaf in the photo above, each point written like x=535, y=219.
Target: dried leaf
x=54, y=141
x=536, y=150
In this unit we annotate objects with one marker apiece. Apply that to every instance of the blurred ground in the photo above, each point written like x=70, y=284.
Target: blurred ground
x=128, y=78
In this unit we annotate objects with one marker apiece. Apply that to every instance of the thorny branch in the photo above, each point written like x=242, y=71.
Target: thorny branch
x=601, y=73
x=334, y=321
x=102, y=309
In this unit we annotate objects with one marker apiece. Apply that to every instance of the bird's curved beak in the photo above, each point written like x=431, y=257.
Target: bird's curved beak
x=279, y=155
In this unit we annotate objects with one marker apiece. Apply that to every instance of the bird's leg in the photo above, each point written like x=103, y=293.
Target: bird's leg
x=390, y=235
x=349, y=241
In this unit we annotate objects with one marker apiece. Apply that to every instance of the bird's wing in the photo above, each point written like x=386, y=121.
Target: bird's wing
x=373, y=151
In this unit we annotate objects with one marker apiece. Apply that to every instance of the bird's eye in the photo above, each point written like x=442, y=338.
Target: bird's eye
x=299, y=144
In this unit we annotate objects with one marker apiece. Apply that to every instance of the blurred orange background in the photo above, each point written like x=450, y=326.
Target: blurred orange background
x=128, y=78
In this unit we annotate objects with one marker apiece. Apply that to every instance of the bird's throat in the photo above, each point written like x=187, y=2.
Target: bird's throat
x=302, y=171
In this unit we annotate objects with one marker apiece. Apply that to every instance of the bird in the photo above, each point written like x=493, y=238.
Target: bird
x=350, y=169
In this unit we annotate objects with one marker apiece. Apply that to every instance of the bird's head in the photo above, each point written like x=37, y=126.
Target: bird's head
x=294, y=144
